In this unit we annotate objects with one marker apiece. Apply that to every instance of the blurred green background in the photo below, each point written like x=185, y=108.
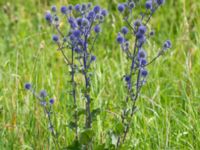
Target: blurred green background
x=169, y=109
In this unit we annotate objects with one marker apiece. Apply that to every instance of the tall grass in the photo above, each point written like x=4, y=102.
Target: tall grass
x=169, y=108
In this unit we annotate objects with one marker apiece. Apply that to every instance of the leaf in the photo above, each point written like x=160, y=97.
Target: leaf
x=81, y=111
x=114, y=139
x=95, y=113
x=119, y=128
x=74, y=146
x=72, y=125
x=86, y=136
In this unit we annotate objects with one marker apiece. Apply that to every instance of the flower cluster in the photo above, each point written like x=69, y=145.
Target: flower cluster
x=84, y=26
x=46, y=104
x=137, y=55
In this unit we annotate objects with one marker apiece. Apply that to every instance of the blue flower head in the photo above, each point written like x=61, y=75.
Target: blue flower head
x=141, y=54
x=97, y=29
x=124, y=30
x=27, y=86
x=144, y=72
x=51, y=101
x=84, y=22
x=83, y=7
x=97, y=9
x=48, y=17
x=91, y=15
x=77, y=7
x=142, y=29
x=53, y=8
x=160, y=2
x=63, y=9
x=70, y=7
x=55, y=38
x=93, y=58
x=121, y=7
x=148, y=4
x=167, y=44
x=104, y=12
x=77, y=33
x=132, y=5
x=43, y=94
x=120, y=39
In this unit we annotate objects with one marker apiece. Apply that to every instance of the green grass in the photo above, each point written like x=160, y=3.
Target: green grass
x=169, y=110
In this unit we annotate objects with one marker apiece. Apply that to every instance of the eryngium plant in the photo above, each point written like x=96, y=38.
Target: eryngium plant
x=77, y=28
x=136, y=28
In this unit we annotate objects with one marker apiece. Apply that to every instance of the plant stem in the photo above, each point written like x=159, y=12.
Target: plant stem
x=74, y=95
x=88, y=120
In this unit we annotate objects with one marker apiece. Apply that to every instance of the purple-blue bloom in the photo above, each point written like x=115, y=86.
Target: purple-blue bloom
x=77, y=7
x=124, y=30
x=148, y=4
x=63, y=9
x=27, y=86
x=121, y=7
x=97, y=9
x=120, y=39
x=55, y=38
x=51, y=101
x=160, y=2
x=48, y=17
x=97, y=29
x=53, y=8
x=43, y=93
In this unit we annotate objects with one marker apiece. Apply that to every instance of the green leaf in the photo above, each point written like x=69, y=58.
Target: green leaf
x=72, y=125
x=81, y=111
x=119, y=128
x=86, y=136
x=95, y=113
x=74, y=146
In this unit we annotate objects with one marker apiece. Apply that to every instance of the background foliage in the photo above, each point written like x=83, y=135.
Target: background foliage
x=169, y=108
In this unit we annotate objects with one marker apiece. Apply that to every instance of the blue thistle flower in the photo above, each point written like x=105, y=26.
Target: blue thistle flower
x=97, y=29
x=148, y=4
x=104, y=12
x=160, y=2
x=121, y=7
x=97, y=9
x=124, y=30
x=27, y=86
x=91, y=15
x=120, y=39
x=89, y=5
x=77, y=7
x=141, y=54
x=48, y=17
x=77, y=33
x=137, y=23
x=83, y=7
x=143, y=62
x=84, y=22
x=51, y=101
x=56, y=18
x=43, y=94
x=132, y=5
x=53, y=8
x=55, y=38
x=142, y=29
x=63, y=9
x=144, y=72
x=93, y=58
x=167, y=44
x=70, y=7
x=152, y=33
